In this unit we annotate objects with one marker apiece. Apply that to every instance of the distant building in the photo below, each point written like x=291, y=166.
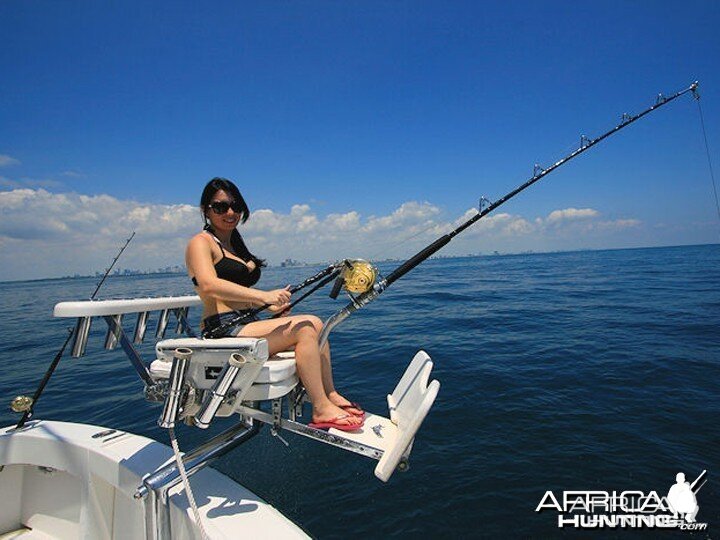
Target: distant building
x=291, y=262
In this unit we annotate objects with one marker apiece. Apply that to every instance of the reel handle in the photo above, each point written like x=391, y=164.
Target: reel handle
x=337, y=286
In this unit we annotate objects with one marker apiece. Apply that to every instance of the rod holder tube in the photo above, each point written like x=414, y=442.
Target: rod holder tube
x=140, y=327
x=168, y=476
x=181, y=314
x=349, y=309
x=82, y=332
x=217, y=394
x=171, y=409
x=162, y=323
x=113, y=332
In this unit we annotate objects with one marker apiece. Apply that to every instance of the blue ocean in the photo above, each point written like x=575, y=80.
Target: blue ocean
x=594, y=370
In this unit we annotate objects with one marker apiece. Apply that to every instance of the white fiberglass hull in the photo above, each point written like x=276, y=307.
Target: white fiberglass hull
x=58, y=481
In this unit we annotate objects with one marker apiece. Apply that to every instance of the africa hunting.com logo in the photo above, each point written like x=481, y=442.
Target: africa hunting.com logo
x=629, y=509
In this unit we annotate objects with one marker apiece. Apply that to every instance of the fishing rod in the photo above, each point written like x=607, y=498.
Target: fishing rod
x=355, y=275
x=359, y=276
x=26, y=404
x=376, y=289
x=107, y=272
x=324, y=276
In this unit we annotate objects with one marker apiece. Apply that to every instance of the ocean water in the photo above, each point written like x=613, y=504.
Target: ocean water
x=568, y=371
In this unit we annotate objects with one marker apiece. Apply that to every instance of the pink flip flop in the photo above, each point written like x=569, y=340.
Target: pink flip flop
x=327, y=424
x=353, y=405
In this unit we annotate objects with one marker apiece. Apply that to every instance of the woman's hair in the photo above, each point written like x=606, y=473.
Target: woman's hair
x=238, y=244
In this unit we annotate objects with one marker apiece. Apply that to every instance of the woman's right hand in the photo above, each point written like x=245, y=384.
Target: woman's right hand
x=278, y=297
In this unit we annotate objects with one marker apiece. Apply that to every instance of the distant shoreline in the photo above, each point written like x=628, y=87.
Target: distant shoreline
x=181, y=270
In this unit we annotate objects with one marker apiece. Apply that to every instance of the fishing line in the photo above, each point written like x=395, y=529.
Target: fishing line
x=707, y=151
x=393, y=244
x=566, y=149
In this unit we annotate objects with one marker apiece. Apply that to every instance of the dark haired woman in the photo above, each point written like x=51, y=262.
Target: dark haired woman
x=224, y=271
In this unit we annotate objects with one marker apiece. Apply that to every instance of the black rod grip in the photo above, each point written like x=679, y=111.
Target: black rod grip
x=416, y=259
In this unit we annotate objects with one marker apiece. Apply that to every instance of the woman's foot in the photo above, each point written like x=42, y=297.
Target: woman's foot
x=346, y=405
x=329, y=413
x=336, y=423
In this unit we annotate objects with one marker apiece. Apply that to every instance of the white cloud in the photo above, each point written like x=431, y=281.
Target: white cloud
x=6, y=161
x=408, y=214
x=571, y=214
x=29, y=213
x=344, y=222
x=28, y=183
x=618, y=224
x=499, y=225
x=72, y=174
x=44, y=234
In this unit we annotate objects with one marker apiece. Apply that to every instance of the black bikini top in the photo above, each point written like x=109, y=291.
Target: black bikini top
x=234, y=270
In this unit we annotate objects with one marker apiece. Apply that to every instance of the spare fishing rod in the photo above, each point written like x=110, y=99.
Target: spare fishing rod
x=107, y=272
x=376, y=289
x=26, y=404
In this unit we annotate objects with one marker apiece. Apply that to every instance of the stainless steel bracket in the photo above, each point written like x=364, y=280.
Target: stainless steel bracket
x=129, y=350
x=312, y=433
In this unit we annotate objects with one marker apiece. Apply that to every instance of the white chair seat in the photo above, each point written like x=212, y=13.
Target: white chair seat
x=278, y=369
x=276, y=378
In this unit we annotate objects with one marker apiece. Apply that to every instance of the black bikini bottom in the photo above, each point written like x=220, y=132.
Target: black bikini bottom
x=211, y=324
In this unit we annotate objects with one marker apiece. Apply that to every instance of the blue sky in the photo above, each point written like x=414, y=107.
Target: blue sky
x=389, y=117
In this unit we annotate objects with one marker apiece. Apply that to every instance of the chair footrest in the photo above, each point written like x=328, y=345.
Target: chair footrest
x=378, y=432
x=409, y=403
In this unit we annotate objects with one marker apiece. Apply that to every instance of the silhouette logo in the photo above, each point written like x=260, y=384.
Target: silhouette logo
x=682, y=499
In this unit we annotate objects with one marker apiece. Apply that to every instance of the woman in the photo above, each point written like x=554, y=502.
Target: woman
x=223, y=271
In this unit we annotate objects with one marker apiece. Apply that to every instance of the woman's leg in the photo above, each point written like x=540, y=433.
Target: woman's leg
x=327, y=376
x=300, y=332
x=329, y=385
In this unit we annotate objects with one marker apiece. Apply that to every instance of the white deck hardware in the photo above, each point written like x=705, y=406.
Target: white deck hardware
x=409, y=404
x=259, y=378
x=198, y=379
x=388, y=440
x=99, y=308
x=113, y=310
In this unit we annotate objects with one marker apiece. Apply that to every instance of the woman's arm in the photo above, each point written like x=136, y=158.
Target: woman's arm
x=199, y=260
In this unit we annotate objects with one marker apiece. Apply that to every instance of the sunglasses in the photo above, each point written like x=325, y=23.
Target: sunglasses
x=222, y=207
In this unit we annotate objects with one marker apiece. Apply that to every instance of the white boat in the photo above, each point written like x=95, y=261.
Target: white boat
x=66, y=480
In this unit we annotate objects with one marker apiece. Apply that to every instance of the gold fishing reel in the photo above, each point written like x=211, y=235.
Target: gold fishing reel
x=21, y=404
x=359, y=276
